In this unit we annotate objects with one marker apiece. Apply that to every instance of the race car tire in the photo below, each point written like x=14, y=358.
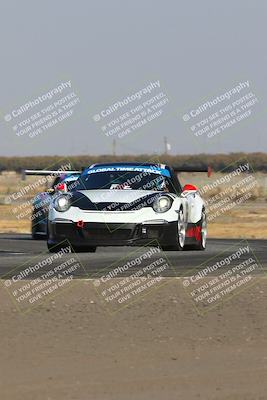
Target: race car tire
x=201, y=244
x=37, y=236
x=55, y=248
x=89, y=249
x=181, y=231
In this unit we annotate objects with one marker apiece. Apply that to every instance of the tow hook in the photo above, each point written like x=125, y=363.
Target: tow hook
x=80, y=224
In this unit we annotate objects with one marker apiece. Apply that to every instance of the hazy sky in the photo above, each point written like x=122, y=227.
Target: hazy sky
x=111, y=49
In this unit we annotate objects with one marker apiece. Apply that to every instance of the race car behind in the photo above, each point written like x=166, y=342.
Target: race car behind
x=62, y=181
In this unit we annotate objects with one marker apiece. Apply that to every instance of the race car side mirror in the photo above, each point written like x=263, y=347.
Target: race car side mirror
x=61, y=187
x=189, y=187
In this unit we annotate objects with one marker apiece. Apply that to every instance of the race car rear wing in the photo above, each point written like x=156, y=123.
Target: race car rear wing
x=46, y=172
x=192, y=169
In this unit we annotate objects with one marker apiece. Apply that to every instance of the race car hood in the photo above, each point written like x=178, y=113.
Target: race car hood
x=116, y=196
x=113, y=200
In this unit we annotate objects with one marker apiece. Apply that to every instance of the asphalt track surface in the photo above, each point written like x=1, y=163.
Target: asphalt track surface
x=19, y=250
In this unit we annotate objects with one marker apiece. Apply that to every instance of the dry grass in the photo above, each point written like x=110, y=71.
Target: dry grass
x=9, y=222
x=249, y=221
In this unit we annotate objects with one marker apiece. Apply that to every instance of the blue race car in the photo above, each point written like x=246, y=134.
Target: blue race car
x=62, y=182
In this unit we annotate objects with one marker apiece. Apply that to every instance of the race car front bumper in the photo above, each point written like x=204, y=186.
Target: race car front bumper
x=113, y=234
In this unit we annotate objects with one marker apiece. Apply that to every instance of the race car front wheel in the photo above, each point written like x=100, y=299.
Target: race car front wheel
x=88, y=249
x=181, y=230
x=201, y=234
x=55, y=248
x=201, y=245
x=180, y=234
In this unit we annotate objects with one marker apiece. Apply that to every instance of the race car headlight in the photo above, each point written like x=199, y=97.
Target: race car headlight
x=62, y=203
x=162, y=204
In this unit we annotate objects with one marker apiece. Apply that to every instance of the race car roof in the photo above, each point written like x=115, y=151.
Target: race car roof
x=160, y=169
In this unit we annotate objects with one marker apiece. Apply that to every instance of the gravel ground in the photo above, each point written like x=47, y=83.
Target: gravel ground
x=157, y=348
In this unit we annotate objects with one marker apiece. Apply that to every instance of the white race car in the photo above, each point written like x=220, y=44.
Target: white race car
x=128, y=204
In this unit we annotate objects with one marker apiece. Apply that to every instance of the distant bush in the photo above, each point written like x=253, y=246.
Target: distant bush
x=218, y=162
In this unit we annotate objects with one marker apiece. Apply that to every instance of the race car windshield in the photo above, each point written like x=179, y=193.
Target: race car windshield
x=121, y=180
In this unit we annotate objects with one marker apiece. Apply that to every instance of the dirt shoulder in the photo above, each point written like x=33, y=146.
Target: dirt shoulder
x=158, y=348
